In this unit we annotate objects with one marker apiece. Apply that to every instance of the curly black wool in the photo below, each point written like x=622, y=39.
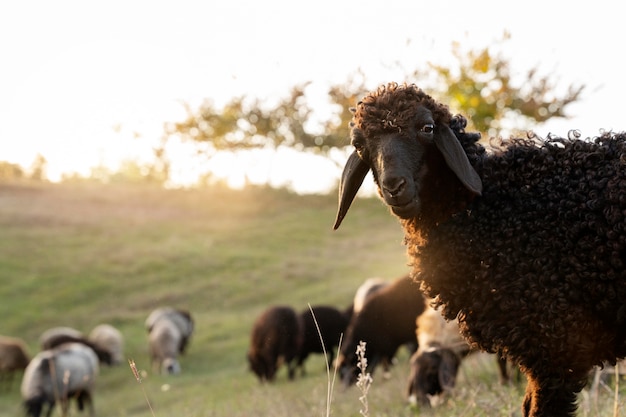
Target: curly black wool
x=533, y=266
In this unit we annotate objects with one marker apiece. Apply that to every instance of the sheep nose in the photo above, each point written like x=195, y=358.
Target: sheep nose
x=393, y=187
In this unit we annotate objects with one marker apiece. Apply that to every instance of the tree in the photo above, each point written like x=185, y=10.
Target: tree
x=343, y=97
x=10, y=171
x=247, y=124
x=39, y=168
x=482, y=88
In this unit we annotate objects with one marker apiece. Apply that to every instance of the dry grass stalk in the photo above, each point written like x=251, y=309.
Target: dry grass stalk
x=364, y=379
x=331, y=382
x=616, y=396
x=133, y=367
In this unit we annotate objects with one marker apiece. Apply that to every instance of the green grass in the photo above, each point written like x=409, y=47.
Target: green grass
x=79, y=255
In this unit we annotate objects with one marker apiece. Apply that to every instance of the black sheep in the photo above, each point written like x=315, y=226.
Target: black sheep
x=276, y=336
x=386, y=322
x=332, y=325
x=525, y=245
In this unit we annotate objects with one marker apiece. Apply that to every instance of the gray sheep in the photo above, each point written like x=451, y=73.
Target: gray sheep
x=60, y=374
x=169, y=332
x=524, y=244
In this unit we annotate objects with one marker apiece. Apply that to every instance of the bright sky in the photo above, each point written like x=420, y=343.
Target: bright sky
x=81, y=80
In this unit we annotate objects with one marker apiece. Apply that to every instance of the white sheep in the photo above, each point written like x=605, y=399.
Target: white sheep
x=110, y=339
x=59, y=374
x=169, y=331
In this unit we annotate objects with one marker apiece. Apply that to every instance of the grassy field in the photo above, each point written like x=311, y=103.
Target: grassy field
x=79, y=255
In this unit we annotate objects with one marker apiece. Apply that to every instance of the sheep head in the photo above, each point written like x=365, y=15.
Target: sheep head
x=433, y=372
x=401, y=134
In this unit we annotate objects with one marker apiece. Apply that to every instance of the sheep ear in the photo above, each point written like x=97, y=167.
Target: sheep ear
x=448, y=369
x=456, y=158
x=351, y=179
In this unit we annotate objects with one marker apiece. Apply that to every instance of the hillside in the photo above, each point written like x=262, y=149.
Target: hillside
x=78, y=255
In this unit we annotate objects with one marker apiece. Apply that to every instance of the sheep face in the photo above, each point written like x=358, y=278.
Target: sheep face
x=263, y=369
x=433, y=371
x=170, y=366
x=400, y=133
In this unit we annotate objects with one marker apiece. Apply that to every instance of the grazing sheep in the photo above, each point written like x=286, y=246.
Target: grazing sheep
x=164, y=343
x=435, y=364
x=104, y=356
x=60, y=374
x=525, y=245
x=332, y=324
x=109, y=339
x=51, y=337
x=369, y=287
x=14, y=357
x=386, y=322
x=169, y=331
x=180, y=317
x=276, y=338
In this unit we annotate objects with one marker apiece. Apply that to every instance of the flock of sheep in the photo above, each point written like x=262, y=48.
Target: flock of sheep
x=69, y=362
x=386, y=316
x=520, y=245
x=383, y=314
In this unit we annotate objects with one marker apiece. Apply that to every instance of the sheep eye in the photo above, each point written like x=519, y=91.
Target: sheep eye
x=358, y=145
x=428, y=128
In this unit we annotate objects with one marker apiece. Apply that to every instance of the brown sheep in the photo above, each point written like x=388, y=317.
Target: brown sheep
x=369, y=287
x=14, y=358
x=276, y=337
x=386, y=322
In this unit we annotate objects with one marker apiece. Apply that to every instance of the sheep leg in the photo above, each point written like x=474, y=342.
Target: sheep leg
x=502, y=367
x=291, y=368
x=546, y=399
x=84, y=397
x=50, y=407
